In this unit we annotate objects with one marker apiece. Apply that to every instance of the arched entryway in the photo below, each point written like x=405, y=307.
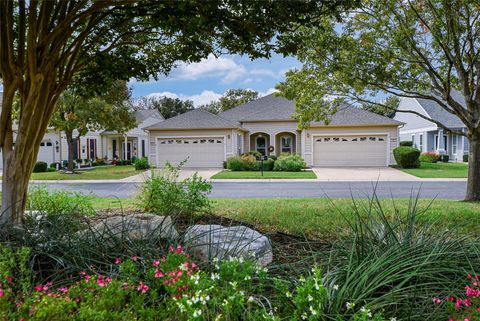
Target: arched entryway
x=285, y=142
x=260, y=142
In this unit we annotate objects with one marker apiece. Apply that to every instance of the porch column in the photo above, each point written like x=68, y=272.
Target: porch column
x=441, y=142
x=125, y=148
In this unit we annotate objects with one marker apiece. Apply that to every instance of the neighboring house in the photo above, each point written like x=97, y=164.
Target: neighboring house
x=99, y=144
x=354, y=137
x=426, y=135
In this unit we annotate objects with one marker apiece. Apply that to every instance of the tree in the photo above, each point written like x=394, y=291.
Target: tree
x=166, y=106
x=78, y=113
x=232, y=98
x=44, y=44
x=419, y=49
x=386, y=107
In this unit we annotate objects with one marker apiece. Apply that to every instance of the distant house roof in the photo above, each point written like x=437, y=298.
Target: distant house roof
x=269, y=107
x=142, y=115
x=195, y=119
x=273, y=107
x=438, y=113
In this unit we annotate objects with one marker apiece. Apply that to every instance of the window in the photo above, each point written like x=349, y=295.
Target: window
x=445, y=145
x=420, y=142
x=286, y=144
x=261, y=145
x=143, y=148
x=454, y=144
x=413, y=140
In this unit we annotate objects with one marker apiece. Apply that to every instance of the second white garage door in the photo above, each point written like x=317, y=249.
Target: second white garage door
x=201, y=152
x=337, y=151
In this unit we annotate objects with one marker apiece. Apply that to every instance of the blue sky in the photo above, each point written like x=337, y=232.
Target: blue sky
x=207, y=80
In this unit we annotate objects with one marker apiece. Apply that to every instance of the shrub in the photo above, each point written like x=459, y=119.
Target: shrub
x=252, y=153
x=40, y=167
x=141, y=163
x=407, y=157
x=289, y=163
x=54, y=165
x=267, y=165
x=273, y=157
x=50, y=169
x=465, y=158
x=235, y=164
x=59, y=202
x=429, y=157
x=444, y=158
x=406, y=143
x=99, y=162
x=164, y=195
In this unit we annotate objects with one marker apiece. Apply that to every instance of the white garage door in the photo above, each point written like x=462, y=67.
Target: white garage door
x=337, y=151
x=200, y=151
x=46, y=152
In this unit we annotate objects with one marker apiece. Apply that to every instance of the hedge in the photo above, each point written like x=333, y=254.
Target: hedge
x=407, y=157
x=40, y=167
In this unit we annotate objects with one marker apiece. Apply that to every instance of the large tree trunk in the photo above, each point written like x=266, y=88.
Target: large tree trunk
x=71, y=145
x=473, y=183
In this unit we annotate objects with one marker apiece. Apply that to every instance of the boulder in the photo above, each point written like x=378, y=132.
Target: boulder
x=216, y=241
x=137, y=226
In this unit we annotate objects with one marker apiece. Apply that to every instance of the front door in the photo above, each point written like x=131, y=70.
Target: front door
x=129, y=150
x=261, y=145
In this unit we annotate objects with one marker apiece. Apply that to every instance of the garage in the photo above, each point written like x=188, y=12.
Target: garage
x=46, y=152
x=350, y=150
x=206, y=152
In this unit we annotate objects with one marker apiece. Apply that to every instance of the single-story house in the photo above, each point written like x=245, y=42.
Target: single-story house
x=428, y=136
x=354, y=137
x=99, y=144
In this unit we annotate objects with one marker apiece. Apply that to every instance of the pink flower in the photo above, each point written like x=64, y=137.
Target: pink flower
x=118, y=260
x=171, y=249
x=158, y=274
x=9, y=279
x=135, y=258
x=179, y=249
x=156, y=262
x=38, y=288
x=63, y=290
x=436, y=300
x=87, y=278
x=142, y=287
x=1, y=293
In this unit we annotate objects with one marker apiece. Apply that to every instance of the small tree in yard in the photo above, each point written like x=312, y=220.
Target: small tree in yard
x=44, y=44
x=419, y=49
x=77, y=112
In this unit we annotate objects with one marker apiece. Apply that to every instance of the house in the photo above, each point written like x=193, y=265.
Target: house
x=428, y=136
x=99, y=144
x=354, y=137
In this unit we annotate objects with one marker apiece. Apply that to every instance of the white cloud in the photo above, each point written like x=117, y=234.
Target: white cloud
x=223, y=67
x=204, y=97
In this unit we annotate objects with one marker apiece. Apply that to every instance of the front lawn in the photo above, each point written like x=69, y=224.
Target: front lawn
x=103, y=172
x=322, y=218
x=439, y=170
x=266, y=175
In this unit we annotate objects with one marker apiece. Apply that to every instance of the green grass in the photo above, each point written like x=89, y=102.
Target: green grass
x=104, y=172
x=439, y=170
x=323, y=218
x=266, y=175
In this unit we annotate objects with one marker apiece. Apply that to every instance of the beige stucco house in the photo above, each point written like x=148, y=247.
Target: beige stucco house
x=354, y=137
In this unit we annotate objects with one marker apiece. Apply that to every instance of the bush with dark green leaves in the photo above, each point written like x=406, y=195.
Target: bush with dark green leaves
x=141, y=163
x=407, y=143
x=465, y=158
x=40, y=167
x=407, y=157
x=289, y=163
x=235, y=164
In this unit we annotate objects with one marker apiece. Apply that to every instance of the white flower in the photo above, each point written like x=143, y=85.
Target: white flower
x=248, y=277
x=350, y=305
x=313, y=311
x=215, y=276
x=197, y=313
x=310, y=298
x=335, y=287
x=304, y=316
x=250, y=299
x=288, y=294
x=393, y=319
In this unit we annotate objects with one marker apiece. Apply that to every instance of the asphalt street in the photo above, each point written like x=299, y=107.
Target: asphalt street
x=443, y=190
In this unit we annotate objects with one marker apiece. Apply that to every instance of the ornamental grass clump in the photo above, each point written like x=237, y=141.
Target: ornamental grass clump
x=396, y=263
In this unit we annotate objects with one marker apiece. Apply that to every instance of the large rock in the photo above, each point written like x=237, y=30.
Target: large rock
x=216, y=241
x=137, y=226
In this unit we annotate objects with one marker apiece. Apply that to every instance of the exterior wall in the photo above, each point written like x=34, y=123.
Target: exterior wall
x=391, y=131
x=229, y=134
x=413, y=122
x=270, y=128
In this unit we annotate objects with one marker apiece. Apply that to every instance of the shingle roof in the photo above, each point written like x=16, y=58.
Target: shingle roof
x=269, y=107
x=273, y=107
x=353, y=116
x=195, y=119
x=436, y=112
x=141, y=115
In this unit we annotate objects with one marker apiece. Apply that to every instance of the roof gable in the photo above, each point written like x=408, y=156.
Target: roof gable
x=437, y=113
x=195, y=119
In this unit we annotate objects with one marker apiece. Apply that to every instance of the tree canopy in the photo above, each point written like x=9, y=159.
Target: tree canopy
x=168, y=107
x=386, y=107
x=232, y=98
x=419, y=49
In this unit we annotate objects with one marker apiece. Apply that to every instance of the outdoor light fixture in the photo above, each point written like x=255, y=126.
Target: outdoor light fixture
x=57, y=147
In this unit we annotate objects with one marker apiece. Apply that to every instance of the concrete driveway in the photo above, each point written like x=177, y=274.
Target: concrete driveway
x=369, y=174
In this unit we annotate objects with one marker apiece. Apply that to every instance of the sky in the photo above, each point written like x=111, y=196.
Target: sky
x=208, y=80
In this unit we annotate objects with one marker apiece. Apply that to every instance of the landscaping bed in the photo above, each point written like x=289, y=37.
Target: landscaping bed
x=305, y=174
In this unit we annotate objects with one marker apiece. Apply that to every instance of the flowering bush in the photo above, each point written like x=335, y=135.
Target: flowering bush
x=429, y=157
x=465, y=307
